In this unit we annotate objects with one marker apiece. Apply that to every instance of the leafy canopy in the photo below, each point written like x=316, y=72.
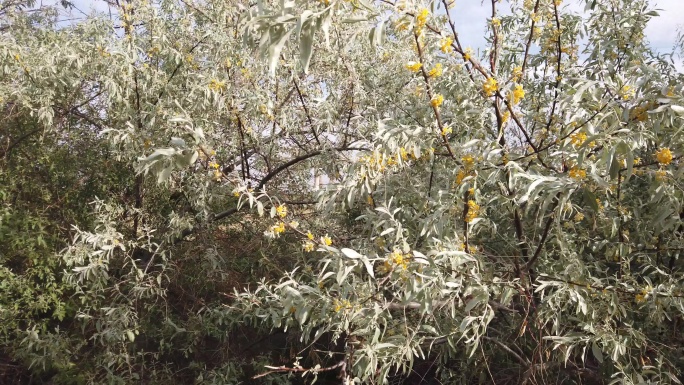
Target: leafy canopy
x=511, y=214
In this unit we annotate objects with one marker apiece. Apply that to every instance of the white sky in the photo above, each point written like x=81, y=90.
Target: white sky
x=471, y=15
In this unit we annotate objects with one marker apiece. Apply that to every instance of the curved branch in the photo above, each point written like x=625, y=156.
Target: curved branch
x=264, y=180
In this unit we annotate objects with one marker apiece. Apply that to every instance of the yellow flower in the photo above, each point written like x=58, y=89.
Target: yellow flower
x=413, y=66
x=217, y=175
x=490, y=86
x=641, y=297
x=279, y=228
x=236, y=193
x=437, y=100
x=446, y=130
x=339, y=305
x=467, y=54
x=627, y=92
x=398, y=259
x=214, y=165
x=436, y=71
x=505, y=116
x=468, y=161
x=496, y=22
x=579, y=217
x=216, y=85
x=670, y=92
x=664, y=156
x=517, y=73
x=473, y=210
x=445, y=45
x=577, y=173
x=660, y=175
x=518, y=93
x=578, y=138
x=326, y=240
x=599, y=204
x=281, y=211
x=637, y=161
x=309, y=235
x=639, y=113
x=460, y=176
x=403, y=153
x=421, y=18
x=309, y=246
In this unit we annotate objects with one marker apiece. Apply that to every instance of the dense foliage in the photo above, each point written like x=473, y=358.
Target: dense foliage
x=229, y=192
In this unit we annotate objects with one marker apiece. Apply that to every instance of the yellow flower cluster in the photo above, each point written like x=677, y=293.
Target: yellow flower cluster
x=445, y=45
x=468, y=161
x=496, y=22
x=403, y=153
x=309, y=246
x=413, y=66
x=279, y=228
x=664, y=156
x=446, y=130
x=379, y=161
x=640, y=113
x=641, y=297
x=326, y=240
x=467, y=54
x=339, y=305
x=437, y=100
x=577, y=173
x=101, y=50
x=579, y=217
x=627, y=92
x=436, y=71
x=473, y=211
x=490, y=86
x=670, y=92
x=462, y=174
x=281, y=211
x=518, y=93
x=517, y=73
x=396, y=258
x=578, y=138
x=216, y=85
x=505, y=116
x=599, y=204
x=421, y=19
